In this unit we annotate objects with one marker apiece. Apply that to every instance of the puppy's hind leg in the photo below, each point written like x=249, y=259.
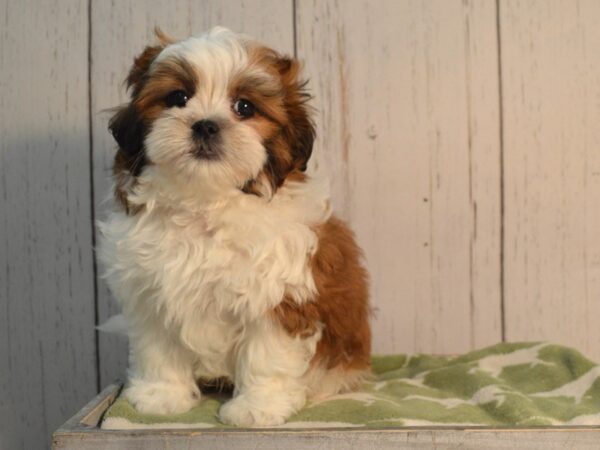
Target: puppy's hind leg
x=269, y=385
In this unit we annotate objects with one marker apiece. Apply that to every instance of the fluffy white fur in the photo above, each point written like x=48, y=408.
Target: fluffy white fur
x=200, y=266
x=196, y=284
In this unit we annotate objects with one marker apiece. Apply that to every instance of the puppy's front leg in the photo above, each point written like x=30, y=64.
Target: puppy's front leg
x=268, y=372
x=160, y=373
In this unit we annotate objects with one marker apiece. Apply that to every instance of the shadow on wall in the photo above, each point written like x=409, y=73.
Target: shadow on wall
x=47, y=337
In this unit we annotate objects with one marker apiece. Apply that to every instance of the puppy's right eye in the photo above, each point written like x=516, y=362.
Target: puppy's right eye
x=176, y=98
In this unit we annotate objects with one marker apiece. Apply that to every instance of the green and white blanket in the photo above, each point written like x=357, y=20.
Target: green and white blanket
x=519, y=384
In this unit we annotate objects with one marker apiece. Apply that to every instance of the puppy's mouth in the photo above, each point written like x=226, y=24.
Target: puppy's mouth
x=204, y=151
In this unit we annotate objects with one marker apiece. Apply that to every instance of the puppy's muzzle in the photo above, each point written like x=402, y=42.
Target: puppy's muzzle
x=206, y=136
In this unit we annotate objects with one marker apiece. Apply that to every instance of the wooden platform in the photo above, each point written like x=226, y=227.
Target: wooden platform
x=82, y=432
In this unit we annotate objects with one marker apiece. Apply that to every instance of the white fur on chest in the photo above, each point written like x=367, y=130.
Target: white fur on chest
x=203, y=274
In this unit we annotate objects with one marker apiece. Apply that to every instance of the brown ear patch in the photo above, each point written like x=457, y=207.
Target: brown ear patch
x=140, y=67
x=341, y=304
x=285, y=105
x=144, y=60
x=129, y=131
x=299, y=131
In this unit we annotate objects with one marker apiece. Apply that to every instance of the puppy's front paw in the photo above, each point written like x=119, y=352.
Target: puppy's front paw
x=243, y=413
x=162, y=397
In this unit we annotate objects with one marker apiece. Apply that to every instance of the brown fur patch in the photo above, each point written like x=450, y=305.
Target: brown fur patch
x=296, y=177
x=342, y=304
x=167, y=76
x=265, y=91
x=131, y=123
x=123, y=180
x=281, y=99
x=163, y=38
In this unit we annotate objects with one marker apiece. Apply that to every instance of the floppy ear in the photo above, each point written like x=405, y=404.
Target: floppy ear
x=142, y=62
x=126, y=125
x=140, y=67
x=304, y=133
x=300, y=129
x=129, y=131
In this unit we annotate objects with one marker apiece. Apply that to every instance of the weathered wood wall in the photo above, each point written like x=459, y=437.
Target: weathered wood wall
x=551, y=159
x=47, y=341
x=407, y=94
x=461, y=138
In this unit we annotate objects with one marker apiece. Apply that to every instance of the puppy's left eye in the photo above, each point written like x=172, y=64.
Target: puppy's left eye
x=176, y=98
x=244, y=108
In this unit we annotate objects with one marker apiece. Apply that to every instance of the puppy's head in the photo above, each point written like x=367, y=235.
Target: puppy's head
x=213, y=113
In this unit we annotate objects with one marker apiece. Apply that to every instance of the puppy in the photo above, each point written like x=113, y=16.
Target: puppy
x=221, y=251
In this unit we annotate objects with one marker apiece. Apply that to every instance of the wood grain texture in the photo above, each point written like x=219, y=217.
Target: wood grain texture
x=47, y=350
x=551, y=87
x=408, y=125
x=120, y=31
x=339, y=439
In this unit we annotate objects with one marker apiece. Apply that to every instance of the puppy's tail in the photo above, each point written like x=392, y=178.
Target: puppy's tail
x=115, y=324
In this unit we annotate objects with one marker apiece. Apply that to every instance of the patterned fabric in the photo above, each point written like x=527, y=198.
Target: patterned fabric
x=519, y=384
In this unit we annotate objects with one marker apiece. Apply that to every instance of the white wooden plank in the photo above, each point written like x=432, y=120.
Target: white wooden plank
x=340, y=439
x=408, y=124
x=47, y=349
x=120, y=31
x=396, y=439
x=551, y=86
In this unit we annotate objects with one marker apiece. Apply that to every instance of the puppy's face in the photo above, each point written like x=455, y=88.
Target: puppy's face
x=215, y=112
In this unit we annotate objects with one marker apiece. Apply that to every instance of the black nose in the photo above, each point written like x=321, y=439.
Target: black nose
x=205, y=129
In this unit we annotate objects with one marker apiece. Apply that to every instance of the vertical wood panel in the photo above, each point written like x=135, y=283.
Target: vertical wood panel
x=120, y=31
x=47, y=351
x=551, y=85
x=407, y=94
x=408, y=122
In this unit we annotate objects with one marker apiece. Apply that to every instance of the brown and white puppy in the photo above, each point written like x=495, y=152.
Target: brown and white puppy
x=222, y=253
